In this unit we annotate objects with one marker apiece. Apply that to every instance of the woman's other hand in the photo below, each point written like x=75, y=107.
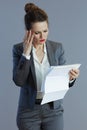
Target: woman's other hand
x=73, y=74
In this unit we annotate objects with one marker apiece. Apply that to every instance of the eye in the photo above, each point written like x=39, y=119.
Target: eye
x=45, y=30
x=37, y=33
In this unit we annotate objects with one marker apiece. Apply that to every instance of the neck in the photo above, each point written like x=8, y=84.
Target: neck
x=39, y=52
x=39, y=47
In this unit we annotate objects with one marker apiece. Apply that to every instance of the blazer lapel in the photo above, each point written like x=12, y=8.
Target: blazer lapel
x=33, y=70
x=50, y=54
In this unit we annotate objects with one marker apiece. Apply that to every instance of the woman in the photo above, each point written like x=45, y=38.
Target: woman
x=31, y=61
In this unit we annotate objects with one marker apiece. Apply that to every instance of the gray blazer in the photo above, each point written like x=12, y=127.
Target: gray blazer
x=24, y=72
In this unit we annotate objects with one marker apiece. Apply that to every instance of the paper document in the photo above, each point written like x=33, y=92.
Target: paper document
x=56, y=83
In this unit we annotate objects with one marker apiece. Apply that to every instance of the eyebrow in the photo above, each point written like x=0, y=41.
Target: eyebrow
x=42, y=30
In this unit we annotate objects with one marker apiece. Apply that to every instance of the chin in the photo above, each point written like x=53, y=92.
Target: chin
x=41, y=43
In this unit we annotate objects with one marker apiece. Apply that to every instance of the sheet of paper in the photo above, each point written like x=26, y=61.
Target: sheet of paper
x=56, y=83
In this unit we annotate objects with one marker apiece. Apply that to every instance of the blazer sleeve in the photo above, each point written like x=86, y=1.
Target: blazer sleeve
x=21, y=67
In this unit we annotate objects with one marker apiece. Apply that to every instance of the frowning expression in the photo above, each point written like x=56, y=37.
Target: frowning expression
x=40, y=30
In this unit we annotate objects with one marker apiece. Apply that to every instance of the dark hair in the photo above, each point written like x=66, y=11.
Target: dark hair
x=34, y=14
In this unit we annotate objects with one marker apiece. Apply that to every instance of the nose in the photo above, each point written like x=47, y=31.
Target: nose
x=41, y=35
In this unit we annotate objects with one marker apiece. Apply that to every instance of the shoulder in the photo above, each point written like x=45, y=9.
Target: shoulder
x=18, y=47
x=54, y=45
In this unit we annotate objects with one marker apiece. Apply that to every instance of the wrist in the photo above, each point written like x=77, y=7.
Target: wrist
x=26, y=56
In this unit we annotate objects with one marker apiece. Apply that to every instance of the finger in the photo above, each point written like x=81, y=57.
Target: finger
x=29, y=36
x=72, y=78
x=32, y=37
x=26, y=36
x=75, y=72
x=73, y=75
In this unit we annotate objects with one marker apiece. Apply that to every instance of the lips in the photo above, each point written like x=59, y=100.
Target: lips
x=42, y=40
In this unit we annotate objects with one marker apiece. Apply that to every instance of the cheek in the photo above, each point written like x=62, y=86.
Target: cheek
x=36, y=38
x=46, y=35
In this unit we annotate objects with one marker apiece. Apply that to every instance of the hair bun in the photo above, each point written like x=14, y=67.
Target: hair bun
x=30, y=7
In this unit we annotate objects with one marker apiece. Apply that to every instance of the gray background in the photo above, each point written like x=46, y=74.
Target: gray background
x=68, y=24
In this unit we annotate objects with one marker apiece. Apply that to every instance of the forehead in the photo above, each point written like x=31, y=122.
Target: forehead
x=40, y=26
